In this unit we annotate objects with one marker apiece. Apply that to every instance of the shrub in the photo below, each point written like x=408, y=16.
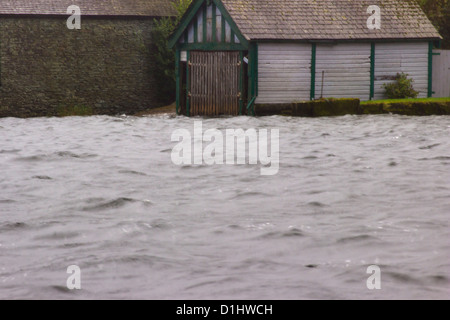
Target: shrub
x=164, y=57
x=402, y=88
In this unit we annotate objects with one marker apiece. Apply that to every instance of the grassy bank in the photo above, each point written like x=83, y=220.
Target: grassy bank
x=411, y=107
x=339, y=107
x=406, y=100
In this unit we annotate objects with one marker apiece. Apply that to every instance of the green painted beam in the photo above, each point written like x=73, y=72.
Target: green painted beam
x=252, y=63
x=249, y=74
x=256, y=69
x=313, y=72
x=214, y=23
x=205, y=26
x=195, y=30
x=210, y=46
x=223, y=30
x=251, y=107
x=178, y=79
x=372, y=70
x=430, y=69
x=188, y=85
x=241, y=81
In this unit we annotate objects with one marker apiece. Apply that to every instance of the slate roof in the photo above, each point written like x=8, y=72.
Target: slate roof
x=328, y=19
x=144, y=8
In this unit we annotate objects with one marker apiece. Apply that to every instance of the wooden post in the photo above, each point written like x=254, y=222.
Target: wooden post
x=178, y=82
x=188, y=86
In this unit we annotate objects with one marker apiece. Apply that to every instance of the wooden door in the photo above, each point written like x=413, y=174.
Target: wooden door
x=214, y=83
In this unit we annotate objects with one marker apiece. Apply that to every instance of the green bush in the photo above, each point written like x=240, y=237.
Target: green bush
x=164, y=57
x=402, y=88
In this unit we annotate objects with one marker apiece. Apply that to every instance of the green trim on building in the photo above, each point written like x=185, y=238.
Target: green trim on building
x=430, y=69
x=256, y=69
x=372, y=70
x=195, y=30
x=210, y=46
x=241, y=82
x=223, y=30
x=313, y=72
x=178, y=79
x=252, y=77
x=251, y=107
x=188, y=85
x=190, y=17
x=205, y=26
x=214, y=23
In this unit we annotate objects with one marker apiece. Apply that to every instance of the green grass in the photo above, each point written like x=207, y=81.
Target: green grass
x=411, y=107
x=406, y=100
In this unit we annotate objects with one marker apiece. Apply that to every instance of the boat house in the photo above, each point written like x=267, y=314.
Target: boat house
x=233, y=55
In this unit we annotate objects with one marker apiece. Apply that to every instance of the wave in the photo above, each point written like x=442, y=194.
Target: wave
x=42, y=177
x=58, y=236
x=291, y=233
x=13, y=226
x=9, y=151
x=430, y=146
x=56, y=156
x=113, y=204
x=137, y=173
x=435, y=158
x=7, y=201
x=359, y=238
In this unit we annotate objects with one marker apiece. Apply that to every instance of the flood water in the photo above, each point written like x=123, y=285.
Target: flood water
x=102, y=193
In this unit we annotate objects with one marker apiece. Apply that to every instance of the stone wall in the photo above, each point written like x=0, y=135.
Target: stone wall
x=47, y=69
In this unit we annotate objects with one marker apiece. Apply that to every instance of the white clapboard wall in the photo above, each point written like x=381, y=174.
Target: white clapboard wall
x=284, y=73
x=441, y=74
x=345, y=69
x=407, y=57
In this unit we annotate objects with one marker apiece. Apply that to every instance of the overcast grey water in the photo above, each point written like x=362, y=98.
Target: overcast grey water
x=102, y=193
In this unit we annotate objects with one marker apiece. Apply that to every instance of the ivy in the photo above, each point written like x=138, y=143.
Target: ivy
x=164, y=57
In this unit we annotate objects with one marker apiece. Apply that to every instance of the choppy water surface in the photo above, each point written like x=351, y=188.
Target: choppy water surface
x=103, y=194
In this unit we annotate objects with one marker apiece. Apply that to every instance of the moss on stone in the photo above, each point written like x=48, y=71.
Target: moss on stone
x=335, y=107
x=68, y=111
x=317, y=108
x=418, y=108
x=273, y=109
x=373, y=108
x=339, y=107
